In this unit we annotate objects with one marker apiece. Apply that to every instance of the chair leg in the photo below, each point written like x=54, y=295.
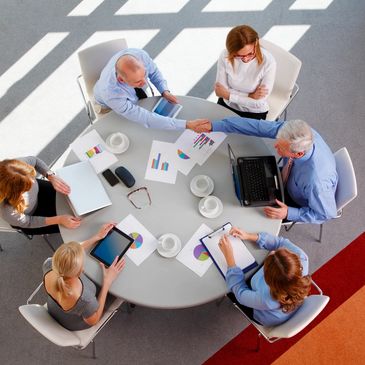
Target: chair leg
x=130, y=307
x=1, y=248
x=289, y=228
x=94, y=350
x=45, y=237
x=320, y=232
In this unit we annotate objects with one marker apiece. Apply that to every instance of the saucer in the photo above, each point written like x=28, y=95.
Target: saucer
x=205, y=193
x=165, y=253
x=211, y=215
x=117, y=149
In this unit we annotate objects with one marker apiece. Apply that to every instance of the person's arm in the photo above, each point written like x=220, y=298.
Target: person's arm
x=250, y=127
x=109, y=275
x=103, y=231
x=40, y=166
x=321, y=206
x=153, y=73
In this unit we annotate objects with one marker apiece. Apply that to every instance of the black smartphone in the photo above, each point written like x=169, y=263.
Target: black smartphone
x=110, y=177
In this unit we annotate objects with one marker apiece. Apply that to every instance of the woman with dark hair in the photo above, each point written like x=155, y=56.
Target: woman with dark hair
x=245, y=74
x=279, y=286
x=29, y=203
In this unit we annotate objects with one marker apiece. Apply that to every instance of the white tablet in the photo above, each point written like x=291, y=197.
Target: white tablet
x=167, y=109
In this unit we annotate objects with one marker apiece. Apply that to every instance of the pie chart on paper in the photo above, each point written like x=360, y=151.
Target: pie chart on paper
x=138, y=240
x=201, y=253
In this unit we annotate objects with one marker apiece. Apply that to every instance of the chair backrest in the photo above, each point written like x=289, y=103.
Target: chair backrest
x=38, y=316
x=5, y=226
x=287, y=68
x=309, y=310
x=93, y=60
x=346, y=187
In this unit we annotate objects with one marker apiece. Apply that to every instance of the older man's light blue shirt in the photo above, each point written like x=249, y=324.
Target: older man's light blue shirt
x=122, y=98
x=313, y=178
x=267, y=310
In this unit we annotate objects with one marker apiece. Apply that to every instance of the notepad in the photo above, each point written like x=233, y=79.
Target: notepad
x=243, y=257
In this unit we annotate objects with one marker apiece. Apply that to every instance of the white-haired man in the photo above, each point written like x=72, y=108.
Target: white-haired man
x=309, y=169
x=124, y=80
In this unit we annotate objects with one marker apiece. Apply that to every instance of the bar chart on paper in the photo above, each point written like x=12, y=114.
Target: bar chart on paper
x=159, y=167
x=202, y=140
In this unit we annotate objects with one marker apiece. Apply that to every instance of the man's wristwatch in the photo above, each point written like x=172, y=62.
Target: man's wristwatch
x=50, y=173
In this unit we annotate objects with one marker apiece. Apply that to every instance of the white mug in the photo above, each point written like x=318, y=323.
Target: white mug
x=201, y=184
x=117, y=140
x=210, y=205
x=168, y=243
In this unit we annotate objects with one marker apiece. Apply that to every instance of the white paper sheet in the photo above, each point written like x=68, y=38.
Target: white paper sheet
x=92, y=147
x=191, y=148
x=194, y=255
x=144, y=242
x=159, y=166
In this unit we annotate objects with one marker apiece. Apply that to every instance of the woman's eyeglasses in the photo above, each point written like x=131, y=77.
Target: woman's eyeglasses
x=248, y=55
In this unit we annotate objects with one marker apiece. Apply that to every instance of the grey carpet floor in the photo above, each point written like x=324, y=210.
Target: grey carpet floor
x=331, y=99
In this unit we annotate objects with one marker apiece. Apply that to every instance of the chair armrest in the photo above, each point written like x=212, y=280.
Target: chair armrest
x=317, y=287
x=34, y=293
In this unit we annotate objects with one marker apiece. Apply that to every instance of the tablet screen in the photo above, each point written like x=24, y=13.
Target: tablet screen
x=166, y=109
x=116, y=243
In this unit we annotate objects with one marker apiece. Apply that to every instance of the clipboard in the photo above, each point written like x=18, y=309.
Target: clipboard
x=243, y=257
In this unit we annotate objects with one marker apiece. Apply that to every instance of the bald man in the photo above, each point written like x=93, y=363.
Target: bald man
x=125, y=80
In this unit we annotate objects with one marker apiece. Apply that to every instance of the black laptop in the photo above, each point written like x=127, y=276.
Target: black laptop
x=257, y=180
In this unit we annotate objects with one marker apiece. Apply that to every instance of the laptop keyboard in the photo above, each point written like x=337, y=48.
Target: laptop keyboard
x=255, y=182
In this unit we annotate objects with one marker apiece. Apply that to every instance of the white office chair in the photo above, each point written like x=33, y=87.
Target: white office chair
x=309, y=310
x=6, y=227
x=285, y=86
x=92, y=61
x=38, y=316
x=346, y=190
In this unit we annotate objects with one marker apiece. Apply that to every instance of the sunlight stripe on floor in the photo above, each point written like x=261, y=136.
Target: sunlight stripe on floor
x=184, y=61
x=29, y=60
x=55, y=102
x=132, y=7
x=85, y=8
x=286, y=36
x=235, y=5
x=310, y=4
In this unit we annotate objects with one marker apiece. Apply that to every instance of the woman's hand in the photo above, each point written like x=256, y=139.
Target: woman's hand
x=227, y=250
x=221, y=91
x=59, y=185
x=239, y=233
x=103, y=231
x=260, y=92
x=69, y=221
x=112, y=272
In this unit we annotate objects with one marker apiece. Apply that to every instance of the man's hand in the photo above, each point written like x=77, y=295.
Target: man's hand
x=227, y=250
x=171, y=98
x=59, y=185
x=199, y=125
x=260, y=92
x=221, y=91
x=277, y=213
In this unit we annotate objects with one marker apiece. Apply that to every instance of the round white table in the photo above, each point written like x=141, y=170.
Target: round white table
x=160, y=282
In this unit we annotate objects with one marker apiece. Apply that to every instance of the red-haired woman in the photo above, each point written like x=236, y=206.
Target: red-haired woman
x=29, y=203
x=279, y=286
x=245, y=74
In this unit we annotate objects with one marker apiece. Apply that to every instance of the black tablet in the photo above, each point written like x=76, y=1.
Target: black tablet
x=115, y=243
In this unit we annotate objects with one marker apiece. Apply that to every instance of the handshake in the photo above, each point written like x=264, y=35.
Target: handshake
x=199, y=125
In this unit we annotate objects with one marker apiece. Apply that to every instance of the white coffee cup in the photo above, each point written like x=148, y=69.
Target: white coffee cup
x=116, y=140
x=168, y=243
x=201, y=184
x=210, y=205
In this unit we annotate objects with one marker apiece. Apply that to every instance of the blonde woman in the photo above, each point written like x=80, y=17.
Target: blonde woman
x=71, y=296
x=245, y=74
x=278, y=289
x=29, y=203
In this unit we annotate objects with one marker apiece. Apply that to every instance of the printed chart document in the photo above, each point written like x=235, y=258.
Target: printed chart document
x=159, y=166
x=191, y=148
x=91, y=147
x=194, y=255
x=144, y=242
x=243, y=257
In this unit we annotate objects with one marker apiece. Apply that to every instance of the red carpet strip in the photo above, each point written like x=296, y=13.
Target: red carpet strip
x=339, y=278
